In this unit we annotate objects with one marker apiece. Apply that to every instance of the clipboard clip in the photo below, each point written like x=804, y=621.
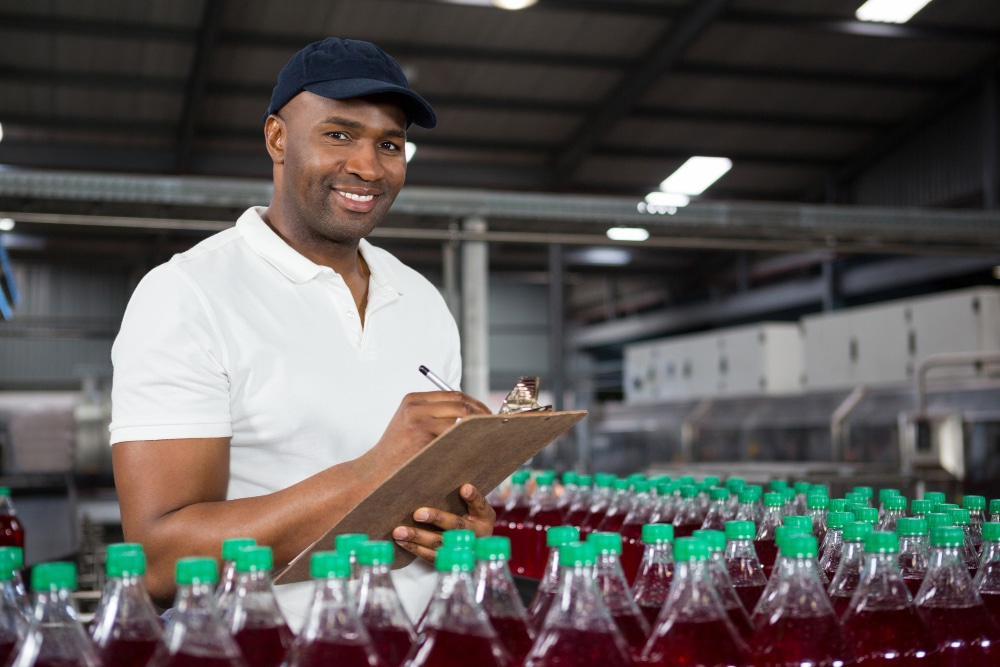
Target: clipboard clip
x=523, y=397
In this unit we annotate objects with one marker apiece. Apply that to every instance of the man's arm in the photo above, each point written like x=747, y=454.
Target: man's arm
x=173, y=492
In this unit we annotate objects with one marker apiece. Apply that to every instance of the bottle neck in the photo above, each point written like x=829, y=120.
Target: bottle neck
x=659, y=552
x=195, y=598
x=991, y=553
x=54, y=606
x=453, y=606
x=741, y=550
x=945, y=557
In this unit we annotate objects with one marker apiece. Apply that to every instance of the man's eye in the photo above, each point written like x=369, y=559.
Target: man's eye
x=337, y=135
x=389, y=146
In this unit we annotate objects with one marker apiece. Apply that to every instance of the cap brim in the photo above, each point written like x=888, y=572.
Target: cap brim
x=418, y=110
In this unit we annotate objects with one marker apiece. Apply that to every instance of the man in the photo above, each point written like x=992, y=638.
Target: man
x=266, y=380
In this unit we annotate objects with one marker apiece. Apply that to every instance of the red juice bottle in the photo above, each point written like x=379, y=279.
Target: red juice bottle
x=497, y=594
x=745, y=570
x=333, y=633
x=987, y=580
x=457, y=631
x=764, y=543
x=631, y=529
x=995, y=510
x=570, y=487
x=576, y=511
x=848, y=574
x=618, y=508
x=195, y=634
x=833, y=543
x=734, y=485
x=881, y=624
x=953, y=611
x=600, y=500
x=546, y=591
x=962, y=519
x=746, y=506
x=693, y=628
x=977, y=516
x=656, y=570
x=126, y=628
x=512, y=525
x=666, y=501
x=800, y=627
x=253, y=616
x=688, y=517
x=817, y=504
x=913, y=547
x=578, y=630
x=718, y=509
x=615, y=590
x=543, y=515
x=715, y=542
x=227, y=577
x=895, y=509
x=379, y=607
x=13, y=624
x=11, y=530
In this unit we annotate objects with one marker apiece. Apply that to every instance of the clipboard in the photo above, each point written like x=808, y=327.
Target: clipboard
x=482, y=450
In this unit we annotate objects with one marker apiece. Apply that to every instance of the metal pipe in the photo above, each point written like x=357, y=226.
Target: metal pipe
x=475, y=313
x=945, y=359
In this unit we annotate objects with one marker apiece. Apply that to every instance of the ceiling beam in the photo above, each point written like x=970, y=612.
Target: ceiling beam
x=814, y=76
x=194, y=93
x=669, y=47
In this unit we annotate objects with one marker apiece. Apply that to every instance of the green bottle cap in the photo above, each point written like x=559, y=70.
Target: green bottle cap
x=496, y=547
x=912, y=526
x=937, y=519
x=960, y=517
x=658, y=533
x=802, y=523
x=583, y=480
x=773, y=500
x=454, y=559
x=685, y=479
x=18, y=556
x=576, y=554
x=838, y=505
x=330, y=565
x=234, y=544
x=974, y=502
x=560, y=535
x=820, y=489
x=816, y=501
x=896, y=503
x=641, y=486
x=740, y=530
x=921, y=506
x=855, y=498
x=4, y=490
x=856, y=531
x=348, y=543
x=869, y=514
x=991, y=531
x=935, y=497
x=718, y=493
x=196, y=570
x=947, y=536
x=712, y=480
x=122, y=547
x=254, y=559
x=837, y=520
x=620, y=485
x=883, y=494
x=735, y=484
x=665, y=487
x=782, y=533
x=8, y=562
x=879, y=542
x=125, y=564
x=798, y=546
x=375, y=552
x=757, y=490
x=866, y=491
x=747, y=495
x=520, y=478
x=715, y=540
x=545, y=478
x=458, y=538
x=54, y=576
x=995, y=506
x=570, y=477
x=788, y=495
x=689, y=491
x=944, y=508
x=778, y=485
x=605, y=543
x=603, y=480
x=690, y=548
x=801, y=487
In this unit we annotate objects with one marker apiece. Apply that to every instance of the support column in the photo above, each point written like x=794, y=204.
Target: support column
x=475, y=311
x=449, y=276
x=832, y=299
x=991, y=145
x=557, y=326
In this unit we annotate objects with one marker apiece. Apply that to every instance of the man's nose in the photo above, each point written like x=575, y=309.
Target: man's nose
x=365, y=162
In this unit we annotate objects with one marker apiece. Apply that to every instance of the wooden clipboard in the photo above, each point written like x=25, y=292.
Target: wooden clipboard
x=481, y=450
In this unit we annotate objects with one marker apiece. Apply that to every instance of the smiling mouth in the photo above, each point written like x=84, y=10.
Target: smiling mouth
x=354, y=197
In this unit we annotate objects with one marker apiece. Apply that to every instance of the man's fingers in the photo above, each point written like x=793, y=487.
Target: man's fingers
x=443, y=520
x=478, y=507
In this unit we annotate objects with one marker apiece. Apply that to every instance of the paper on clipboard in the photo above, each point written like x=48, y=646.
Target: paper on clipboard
x=481, y=450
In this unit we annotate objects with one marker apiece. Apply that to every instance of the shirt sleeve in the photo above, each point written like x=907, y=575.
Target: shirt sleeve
x=170, y=377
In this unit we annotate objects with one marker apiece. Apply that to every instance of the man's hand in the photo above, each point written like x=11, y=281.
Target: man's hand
x=420, y=418
x=424, y=542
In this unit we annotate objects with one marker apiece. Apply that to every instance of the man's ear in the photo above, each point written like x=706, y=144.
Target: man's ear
x=274, y=138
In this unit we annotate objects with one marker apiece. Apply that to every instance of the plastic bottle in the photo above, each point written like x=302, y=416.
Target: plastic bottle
x=693, y=628
x=987, y=580
x=715, y=542
x=687, y=518
x=833, y=543
x=615, y=591
x=951, y=608
x=457, y=630
x=618, y=508
x=935, y=497
x=557, y=537
x=883, y=495
x=881, y=624
x=333, y=634
x=845, y=581
x=746, y=506
x=920, y=507
x=569, y=489
x=631, y=530
x=718, y=510
x=656, y=570
x=764, y=544
x=600, y=499
x=379, y=607
x=253, y=616
x=960, y=518
x=745, y=570
x=497, y=595
x=977, y=511
x=512, y=524
x=55, y=637
x=801, y=627
x=666, y=501
x=126, y=628
x=350, y=544
x=13, y=624
x=578, y=630
x=867, y=493
x=16, y=588
x=227, y=578
x=816, y=508
x=895, y=509
x=995, y=509
x=11, y=530
x=543, y=515
x=913, y=550
x=734, y=485
x=576, y=511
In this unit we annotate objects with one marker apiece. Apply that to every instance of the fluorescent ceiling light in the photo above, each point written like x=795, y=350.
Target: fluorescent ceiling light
x=627, y=234
x=411, y=150
x=1, y=131
x=513, y=4
x=660, y=198
x=6, y=224
x=694, y=176
x=602, y=256
x=889, y=11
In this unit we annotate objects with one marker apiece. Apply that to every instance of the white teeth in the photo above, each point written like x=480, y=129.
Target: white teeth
x=355, y=197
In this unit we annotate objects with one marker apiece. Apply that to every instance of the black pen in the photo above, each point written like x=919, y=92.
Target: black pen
x=438, y=382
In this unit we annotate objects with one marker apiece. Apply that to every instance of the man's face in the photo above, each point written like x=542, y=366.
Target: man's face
x=344, y=163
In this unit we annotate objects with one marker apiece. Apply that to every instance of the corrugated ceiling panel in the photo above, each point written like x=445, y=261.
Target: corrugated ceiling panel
x=517, y=127
x=181, y=13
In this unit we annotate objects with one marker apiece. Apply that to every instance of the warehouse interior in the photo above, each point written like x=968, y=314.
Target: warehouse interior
x=861, y=204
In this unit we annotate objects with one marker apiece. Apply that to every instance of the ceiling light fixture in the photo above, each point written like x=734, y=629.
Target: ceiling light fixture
x=634, y=234
x=660, y=198
x=1, y=131
x=513, y=5
x=410, y=149
x=889, y=11
x=601, y=256
x=6, y=224
x=694, y=176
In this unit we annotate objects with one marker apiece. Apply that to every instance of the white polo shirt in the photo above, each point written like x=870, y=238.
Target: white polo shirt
x=243, y=337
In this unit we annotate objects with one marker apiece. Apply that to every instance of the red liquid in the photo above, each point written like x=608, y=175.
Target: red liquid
x=890, y=638
x=576, y=648
x=740, y=621
x=514, y=636
x=612, y=521
x=186, y=660
x=992, y=602
x=520, y=545
x=6, y=648
x=632, y=630
x=125, y=652
x=749, y=595
x=840, y=604
x=685, y=529
x=539, y=608
x=392, y=644
x=11, y=531
x=264, y=647
x=632, y=549
x=535, y=527
x=913, y=585
x=767, y=553
x=651, y=612
x=687, y=643
x=964, y=636
x=444, y=648
x=815, y=640
x=323, y=654
x=576, y=517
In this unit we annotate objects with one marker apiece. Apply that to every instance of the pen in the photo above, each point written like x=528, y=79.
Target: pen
x=438, y=382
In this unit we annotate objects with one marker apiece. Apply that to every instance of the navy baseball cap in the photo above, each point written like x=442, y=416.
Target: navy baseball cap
x=344, y=68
